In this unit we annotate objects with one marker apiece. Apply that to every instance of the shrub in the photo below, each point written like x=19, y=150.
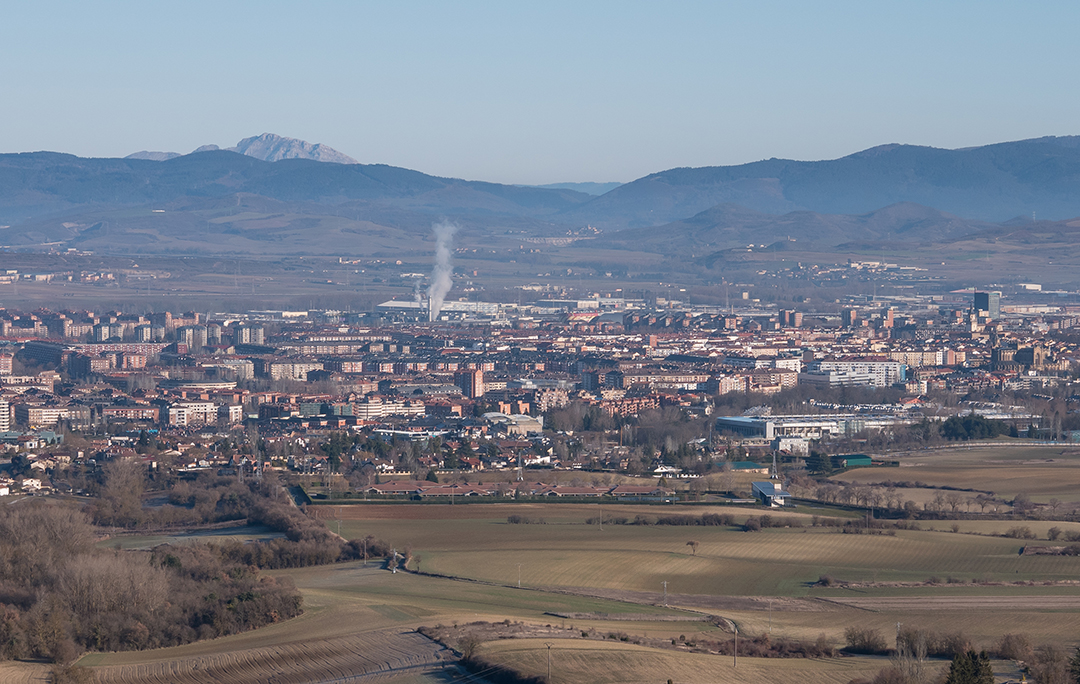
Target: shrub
x=865, y=640
x=1014, y=647
x=525, y=520
x=1023, y=532
x=953, y=644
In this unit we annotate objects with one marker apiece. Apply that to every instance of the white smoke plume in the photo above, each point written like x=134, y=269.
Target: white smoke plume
x=441, y=280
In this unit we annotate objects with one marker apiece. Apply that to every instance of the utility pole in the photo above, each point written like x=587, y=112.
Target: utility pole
x=519, y=575
x=549, y=662
x=665, y=592
x=735, y=655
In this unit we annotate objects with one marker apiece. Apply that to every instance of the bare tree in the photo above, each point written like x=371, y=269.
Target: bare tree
x=693, y=546
x=954, y=499
x=120, y=502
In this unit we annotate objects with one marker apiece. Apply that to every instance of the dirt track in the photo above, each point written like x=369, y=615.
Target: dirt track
x=954, y=603
x=362, y=657
x=700, y=602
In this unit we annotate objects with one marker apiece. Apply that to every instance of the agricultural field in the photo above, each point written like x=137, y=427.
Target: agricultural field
x=783, y=561
x=1041, y=472
x=603, y=663
x=240, y=533
x=358, y=617
x=580, y=581
x=358, y=621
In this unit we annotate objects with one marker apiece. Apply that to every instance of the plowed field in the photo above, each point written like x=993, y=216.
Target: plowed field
x=346, y=659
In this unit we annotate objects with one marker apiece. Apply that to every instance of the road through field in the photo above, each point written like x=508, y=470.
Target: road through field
x=953, y=603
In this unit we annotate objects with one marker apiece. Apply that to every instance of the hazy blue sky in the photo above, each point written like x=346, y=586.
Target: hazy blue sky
x=537, y=92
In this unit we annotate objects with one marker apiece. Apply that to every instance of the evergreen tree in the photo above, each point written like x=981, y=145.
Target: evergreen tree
x=1074, y=666
x=818, y=462
x=970, y=668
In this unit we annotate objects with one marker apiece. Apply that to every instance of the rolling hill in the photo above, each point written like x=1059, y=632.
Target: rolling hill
x=990, y=183
x=39, y=183
x=728, y=226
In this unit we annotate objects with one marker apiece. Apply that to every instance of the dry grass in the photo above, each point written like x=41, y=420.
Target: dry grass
x=298, y=662
x=576, y=662
x=24, y=673
x=1040, y=472
x=355, y=615
x=784, y=561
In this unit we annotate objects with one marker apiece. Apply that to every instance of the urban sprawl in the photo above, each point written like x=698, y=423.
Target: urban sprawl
x=563, y=384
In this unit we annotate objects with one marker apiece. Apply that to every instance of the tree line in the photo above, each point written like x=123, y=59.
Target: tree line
x=60, y=595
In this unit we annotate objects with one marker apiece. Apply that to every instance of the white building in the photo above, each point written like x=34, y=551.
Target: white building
x=879, y=372
x=192, y=413
x=808, y=427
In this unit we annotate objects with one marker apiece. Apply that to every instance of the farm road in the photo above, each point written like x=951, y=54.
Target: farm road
x=699, y=602
x=358, y=658
x=953, y=603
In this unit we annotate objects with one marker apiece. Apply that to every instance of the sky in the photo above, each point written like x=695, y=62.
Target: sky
x=537, y=92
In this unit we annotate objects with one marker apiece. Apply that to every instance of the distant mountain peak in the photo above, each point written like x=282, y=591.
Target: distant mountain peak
x=153, y=156
x=271, y=148
x=267, y=147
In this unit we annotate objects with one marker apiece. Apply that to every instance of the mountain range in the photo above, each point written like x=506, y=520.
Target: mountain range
x=990, y=183
x=889, y=193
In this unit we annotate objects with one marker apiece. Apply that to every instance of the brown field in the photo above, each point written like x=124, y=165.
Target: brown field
x=342, y=659
x=1041, y=472
x=956, y=603
x=24, y=673
x=555, y=513
x=575, y=662
x=358, y=619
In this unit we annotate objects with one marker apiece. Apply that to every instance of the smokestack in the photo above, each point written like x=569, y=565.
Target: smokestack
x=441, y=280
